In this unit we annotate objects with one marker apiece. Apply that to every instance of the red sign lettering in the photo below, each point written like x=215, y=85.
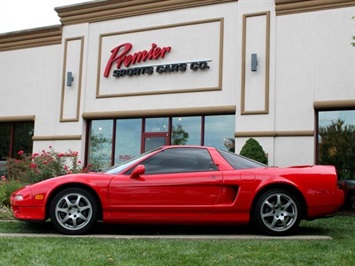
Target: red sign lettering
x=120, y=55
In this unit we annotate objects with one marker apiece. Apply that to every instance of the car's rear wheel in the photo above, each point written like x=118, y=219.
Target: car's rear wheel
x=73, y=211
x=277, y=212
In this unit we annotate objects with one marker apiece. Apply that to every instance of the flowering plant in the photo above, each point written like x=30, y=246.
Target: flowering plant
x=40, y=166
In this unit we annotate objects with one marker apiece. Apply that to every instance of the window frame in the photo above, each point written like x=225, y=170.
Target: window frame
x=144, y=134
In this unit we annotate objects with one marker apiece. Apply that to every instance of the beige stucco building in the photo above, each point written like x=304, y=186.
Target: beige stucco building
x=131, y=72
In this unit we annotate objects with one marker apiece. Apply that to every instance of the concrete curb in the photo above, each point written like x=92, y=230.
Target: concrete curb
x=182, y=237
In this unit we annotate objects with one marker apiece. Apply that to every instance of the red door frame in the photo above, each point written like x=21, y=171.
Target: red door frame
x=154, y=135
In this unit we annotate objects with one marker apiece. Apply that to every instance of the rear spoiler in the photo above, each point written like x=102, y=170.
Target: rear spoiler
x=301, y=166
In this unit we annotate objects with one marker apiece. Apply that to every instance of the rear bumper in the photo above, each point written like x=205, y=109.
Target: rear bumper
x=330, y=205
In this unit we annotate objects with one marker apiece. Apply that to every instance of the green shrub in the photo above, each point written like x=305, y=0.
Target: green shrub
x=253, y=150
x=28, y=169
x=6, y=188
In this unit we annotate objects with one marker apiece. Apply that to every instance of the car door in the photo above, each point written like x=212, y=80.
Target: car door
x=178, y=182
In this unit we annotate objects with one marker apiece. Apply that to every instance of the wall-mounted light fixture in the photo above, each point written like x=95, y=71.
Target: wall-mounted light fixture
x=254, y=62
x=70, y=78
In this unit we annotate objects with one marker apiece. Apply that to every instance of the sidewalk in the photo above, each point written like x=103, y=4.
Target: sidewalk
x=182, y=237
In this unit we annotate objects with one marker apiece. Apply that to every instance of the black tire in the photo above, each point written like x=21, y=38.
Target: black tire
x=73, y=211
x=277, y=212
x=350, y=201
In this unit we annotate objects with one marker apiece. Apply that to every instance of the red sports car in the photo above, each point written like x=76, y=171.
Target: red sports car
x=184, y=185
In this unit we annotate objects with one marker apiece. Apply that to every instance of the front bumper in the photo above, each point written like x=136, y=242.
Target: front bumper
x=25, y=207
x=29, y=214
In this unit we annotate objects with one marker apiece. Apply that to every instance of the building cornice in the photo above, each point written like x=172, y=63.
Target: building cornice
x=20, y=118
x=101, y=10
x=210, y=110
x=114, y=9
x=273, y=134
x=286, y=7
x=31, y=38
x=328, y=105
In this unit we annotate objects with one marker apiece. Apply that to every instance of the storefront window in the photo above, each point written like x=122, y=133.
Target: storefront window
x=186, y=131
x=5, y=133
x=219, y=131
x=128, y=139
x=100, y=144
x=156, y=124
x=15, y=137
x=124, y=138
x=336, y=141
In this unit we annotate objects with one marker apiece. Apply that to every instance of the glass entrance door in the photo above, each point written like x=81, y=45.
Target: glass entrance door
x=155, y=140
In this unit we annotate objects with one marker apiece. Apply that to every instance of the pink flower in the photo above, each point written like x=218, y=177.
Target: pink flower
x=50, y=147
x=20, y=152
x=79, y=162
x=33, y=165
x=3, y=178
x=35, y=155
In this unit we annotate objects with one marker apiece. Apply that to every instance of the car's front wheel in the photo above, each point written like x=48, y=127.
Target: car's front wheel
x=73, y=211
x=277, y=212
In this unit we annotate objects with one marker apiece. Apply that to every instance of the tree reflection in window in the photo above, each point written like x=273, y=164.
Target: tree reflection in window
x=186, y=130
x=100, y=147
x=179, y=136
x=336, y=141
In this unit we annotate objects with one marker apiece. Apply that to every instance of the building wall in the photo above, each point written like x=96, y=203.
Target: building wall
x=314, y=62
x=304, y=60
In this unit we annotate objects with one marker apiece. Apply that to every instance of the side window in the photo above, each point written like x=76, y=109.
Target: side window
x=179, y=160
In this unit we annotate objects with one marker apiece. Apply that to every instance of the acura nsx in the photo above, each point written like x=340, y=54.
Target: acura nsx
x=184, y=185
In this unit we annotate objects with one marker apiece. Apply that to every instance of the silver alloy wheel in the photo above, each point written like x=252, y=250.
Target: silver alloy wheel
x=73, y=211
x=278, y=212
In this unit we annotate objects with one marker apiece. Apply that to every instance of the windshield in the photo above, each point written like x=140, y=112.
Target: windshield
x=240, y=162
x=127, y=164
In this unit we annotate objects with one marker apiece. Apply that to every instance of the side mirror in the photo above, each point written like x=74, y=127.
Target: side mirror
x=138, y=171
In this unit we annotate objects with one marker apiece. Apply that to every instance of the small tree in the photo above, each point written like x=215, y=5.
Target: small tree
x=253, y=150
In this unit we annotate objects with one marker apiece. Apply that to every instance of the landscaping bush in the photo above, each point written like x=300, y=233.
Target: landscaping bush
x=6, y=188
x=28, y=169
x=253, y=150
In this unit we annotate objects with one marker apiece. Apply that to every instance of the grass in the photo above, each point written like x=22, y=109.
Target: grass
x=110, y=251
